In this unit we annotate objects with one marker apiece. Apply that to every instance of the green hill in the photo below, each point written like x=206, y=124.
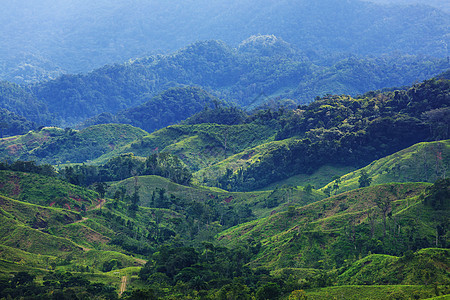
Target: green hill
x=423, y=162
x=329, y=232
x=257, y=204
x=58, y=146
x=202, y=145
x=45, y=191
x=339, y=130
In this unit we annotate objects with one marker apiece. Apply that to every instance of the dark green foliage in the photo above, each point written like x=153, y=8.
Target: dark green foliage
x=167, y=165
x=438, y=196
x=142, y=295
x=169, y=107
x=268, y=291
x=101, y=188
x=29, y=166
x=213, y=268
x=218, y=115
x=347, y=131
x=13, y=124
x=56, y=285
x=125, y=166
x=364, y=179
x=17, y=100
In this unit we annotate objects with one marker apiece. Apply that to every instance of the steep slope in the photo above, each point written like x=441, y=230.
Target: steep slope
x=327, y=233
x=423, y=162
x=13, y=124
x=201, y=145
x=248, y=205
x=33, y=229
x=45, y=191
x=20, y=101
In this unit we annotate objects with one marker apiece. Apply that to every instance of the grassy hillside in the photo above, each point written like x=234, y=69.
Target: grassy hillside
x=59, y=246
x=260, y=203
x=328, y=232
x=203, y=144
x=45, y=191
x=58, y=146
x=318, y=179
x=423, y=162
x=423, y=267
x=330, y=238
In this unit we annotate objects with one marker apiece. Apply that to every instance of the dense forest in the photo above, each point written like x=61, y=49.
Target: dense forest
x=261, y=69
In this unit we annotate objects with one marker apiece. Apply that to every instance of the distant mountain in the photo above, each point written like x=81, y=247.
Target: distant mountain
x=261, y=69
x=43, y=40
x=13, y=124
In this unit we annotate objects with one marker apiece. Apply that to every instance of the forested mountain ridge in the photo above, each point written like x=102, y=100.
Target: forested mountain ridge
x=340, y=130
x=43, y=40
x=261, y=68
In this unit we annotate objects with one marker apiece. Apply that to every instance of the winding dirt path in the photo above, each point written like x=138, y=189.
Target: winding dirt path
x=123, y=285
x=100, y=204
x=79, y=221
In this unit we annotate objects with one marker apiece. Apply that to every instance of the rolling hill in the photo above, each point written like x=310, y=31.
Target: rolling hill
x=328, y=232
x=423, y=162
x=59, y=146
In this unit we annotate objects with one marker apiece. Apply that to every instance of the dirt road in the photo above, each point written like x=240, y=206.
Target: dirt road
x=123, y=285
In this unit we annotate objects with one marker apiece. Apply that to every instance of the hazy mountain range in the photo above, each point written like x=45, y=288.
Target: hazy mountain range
x=44, y=39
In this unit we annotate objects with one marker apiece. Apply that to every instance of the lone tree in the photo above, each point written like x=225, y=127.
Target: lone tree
x=336, y=182
x=384, y=204
x=101, y=187
x=364, y=179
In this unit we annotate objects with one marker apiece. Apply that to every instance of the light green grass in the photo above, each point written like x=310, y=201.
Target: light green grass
x=418, y=163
